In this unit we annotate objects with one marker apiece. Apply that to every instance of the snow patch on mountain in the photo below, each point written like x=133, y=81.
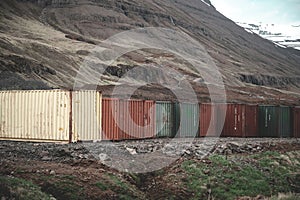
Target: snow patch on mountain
x=204, y=1
x=282, y=35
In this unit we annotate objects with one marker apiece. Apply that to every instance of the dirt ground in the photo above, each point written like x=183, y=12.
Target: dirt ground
x=70, y=171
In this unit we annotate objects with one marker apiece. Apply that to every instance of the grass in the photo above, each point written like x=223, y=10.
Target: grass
x=266, y=174
x=102, y=186
x=119, y=186
x=16, y=188
x=63, y=188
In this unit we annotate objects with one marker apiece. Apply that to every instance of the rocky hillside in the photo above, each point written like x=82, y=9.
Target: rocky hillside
x=43, y=43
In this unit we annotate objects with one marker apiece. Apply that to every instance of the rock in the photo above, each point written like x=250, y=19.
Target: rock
x=44, y=153
x=131, y=151
x=276, y=164
x=46, y=158
x=234, y=144
x=103, y=157
x=286, y=158
x=187, y=152
x=52, y=172
x=193, y=166
x=259, y=197
x=207, y=171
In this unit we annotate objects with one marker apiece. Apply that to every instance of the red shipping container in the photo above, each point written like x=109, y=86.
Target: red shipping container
x=234, y=121
x=127, y=119
x=149, y=119
x=296, y=122
x=131, y=119
x=110, y=113
x=251, y=121
x=207, y=118
x=211, y=119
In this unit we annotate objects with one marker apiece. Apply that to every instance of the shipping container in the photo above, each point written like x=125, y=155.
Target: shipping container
x=234, y=125
x=208, y=120
x=165, y=119
x=127, y=119
x=296, y=122
x=39, y=115
x=251, y=121
x=187, y=120
x=285, y=123
x=86, y=115
x=149, y=119
x=268, y=121
x=131, y=119
x=110, y=113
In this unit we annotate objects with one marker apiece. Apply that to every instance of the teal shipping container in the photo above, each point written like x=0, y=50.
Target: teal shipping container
x=165, y=119
x=187, y=120
x=268, y=121
x=285, y=122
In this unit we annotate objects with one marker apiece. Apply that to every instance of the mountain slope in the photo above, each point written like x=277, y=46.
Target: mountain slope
x=43, y=43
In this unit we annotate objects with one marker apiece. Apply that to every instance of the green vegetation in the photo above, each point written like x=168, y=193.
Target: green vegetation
x=102, y=186
x=121, y=187
x=16, y=188
x=62, y=187
x=266, y=174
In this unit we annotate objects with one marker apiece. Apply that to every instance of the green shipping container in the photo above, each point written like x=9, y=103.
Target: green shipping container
x=165, y=119
x=285, y=122
x=187, y=119
x=268, y=121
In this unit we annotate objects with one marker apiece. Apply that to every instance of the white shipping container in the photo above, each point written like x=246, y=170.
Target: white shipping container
x=36, y=115
x=86, y=115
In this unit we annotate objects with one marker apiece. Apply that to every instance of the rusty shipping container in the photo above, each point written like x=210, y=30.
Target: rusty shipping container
x=127, y=119
x=251, y=121
x=110, y=113
x=296, y=122
x=149, y=119
x=39, y=115
x=234, y=125
x=131, y=119
x=86, y=115
x=208, y=120
x=212, y=117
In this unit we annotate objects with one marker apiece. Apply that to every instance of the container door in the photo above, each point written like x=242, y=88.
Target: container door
x=251, y=118
x=164, y=119
x=284, y=122
x=189, y=120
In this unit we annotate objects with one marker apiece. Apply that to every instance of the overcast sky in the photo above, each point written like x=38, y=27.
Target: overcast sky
x=265, y=11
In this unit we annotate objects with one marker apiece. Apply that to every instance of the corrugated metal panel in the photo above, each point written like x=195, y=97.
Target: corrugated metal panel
x=35, y=115
x=208, y=120
x=110, y=113
x=284, y=128
x=187, y=119
x=131, y=119
x=268, y=121
x=251, y=119
x=296, y=122
x=86, y=115
x=234, y=120
x=165, y=123
x=127, y=119
x=149, y=119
